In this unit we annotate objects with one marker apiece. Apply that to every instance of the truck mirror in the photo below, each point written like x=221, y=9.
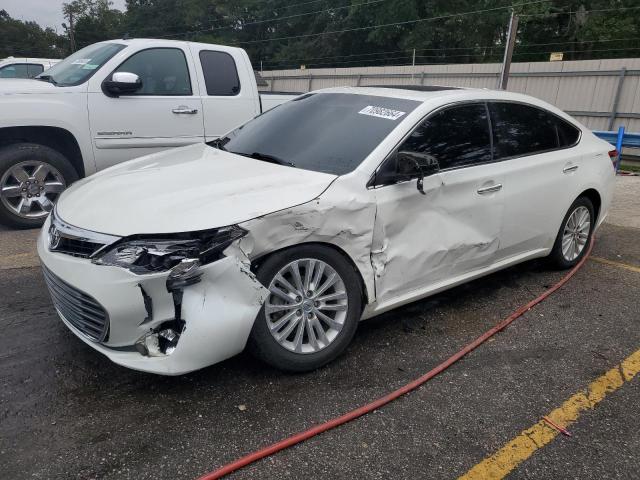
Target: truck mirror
x=121, y=83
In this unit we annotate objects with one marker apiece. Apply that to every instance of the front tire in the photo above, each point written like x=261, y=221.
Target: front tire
x=575, y=235
x=312, y=311
x=32, y=177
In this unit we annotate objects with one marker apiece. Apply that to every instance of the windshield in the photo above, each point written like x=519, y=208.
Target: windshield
x=325, y=132
x=78, y=68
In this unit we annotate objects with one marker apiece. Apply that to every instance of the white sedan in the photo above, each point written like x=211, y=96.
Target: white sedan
x=332, y=208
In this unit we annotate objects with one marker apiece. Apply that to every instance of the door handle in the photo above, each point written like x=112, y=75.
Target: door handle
x=185, y=110
x=570, y=169
x=490, y=189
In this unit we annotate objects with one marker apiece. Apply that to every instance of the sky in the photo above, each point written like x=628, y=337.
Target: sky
x=47, y=13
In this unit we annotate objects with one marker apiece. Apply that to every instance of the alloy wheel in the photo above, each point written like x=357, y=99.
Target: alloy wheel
x=576, y=233
x=29, y=189
x=307, y=306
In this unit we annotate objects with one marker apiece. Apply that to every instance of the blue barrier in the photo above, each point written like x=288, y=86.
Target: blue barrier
x=628, y=139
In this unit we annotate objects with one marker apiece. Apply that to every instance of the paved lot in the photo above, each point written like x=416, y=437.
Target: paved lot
x=68, y=413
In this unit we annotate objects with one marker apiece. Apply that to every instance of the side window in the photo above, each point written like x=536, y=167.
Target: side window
x=567, y=133
x=34, y=69
x=220, y=73
x=522, y=130
x=16, y=70
x=163, y=71
x=455, y=137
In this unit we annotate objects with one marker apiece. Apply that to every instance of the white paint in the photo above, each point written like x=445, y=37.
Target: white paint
x=98, y=121
x=405, y=245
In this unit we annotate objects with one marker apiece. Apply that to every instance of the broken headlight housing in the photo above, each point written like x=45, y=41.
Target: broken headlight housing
x=160, y=253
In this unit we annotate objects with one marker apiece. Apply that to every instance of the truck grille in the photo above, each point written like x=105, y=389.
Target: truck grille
x=78, y=308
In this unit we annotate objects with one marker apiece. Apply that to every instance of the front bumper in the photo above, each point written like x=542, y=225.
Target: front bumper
x=219, y=311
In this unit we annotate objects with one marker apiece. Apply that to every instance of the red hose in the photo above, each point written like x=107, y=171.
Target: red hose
x=358, y=412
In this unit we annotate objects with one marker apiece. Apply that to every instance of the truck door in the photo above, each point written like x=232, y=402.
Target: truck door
x=228, y=88
x=164, y=112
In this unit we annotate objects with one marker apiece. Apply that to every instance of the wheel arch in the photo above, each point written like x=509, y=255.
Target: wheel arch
x=59, y=139
x=257, y=261
x=594, y=196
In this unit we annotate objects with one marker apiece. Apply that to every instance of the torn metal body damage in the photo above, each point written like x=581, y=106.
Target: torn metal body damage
x=170, y=306
x=218, y=311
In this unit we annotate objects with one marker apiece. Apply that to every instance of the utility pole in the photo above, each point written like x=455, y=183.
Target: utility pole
x=508, y=52
x=72, y=38
x=72, y=35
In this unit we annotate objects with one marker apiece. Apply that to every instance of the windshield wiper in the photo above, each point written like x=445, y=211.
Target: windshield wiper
x=265, y=157
x=46, y=78
x=217, y=143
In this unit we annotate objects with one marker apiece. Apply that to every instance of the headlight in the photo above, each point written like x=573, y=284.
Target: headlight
x=161, y=253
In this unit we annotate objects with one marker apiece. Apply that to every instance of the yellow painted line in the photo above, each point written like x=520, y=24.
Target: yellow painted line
x=626, y=266
x=505, y=460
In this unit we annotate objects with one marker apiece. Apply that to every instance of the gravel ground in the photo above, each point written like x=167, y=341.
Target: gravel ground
x=66, y=412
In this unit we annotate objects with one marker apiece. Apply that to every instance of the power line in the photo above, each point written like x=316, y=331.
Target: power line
x=273, y=19
x=553, y=14
x=389, y=52
x=406, y=22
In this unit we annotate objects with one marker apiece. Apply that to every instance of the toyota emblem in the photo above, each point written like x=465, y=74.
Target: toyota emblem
x=54, y=238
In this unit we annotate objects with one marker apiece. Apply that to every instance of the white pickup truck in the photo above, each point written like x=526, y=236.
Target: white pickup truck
x=110, y=102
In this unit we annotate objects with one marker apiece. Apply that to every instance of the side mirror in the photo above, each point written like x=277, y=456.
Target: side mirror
x=121, y=83
x=416, y=165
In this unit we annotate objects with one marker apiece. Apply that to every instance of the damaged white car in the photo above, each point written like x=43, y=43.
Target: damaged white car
x=329, y=209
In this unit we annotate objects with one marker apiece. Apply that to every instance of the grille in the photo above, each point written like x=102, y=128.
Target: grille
x=78, y=308
x=74, y=241
x=76, y=247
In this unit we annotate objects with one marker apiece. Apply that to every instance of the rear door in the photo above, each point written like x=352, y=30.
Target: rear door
x=422, y=240
x=229, y=93
x=165, y=112
x=542, y=169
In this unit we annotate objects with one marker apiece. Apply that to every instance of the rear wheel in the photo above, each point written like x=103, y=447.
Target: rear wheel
x=32, y=177
x=312, y=311
x=575, y=234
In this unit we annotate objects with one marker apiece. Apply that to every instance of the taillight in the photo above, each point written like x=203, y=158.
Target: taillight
x=614, y=156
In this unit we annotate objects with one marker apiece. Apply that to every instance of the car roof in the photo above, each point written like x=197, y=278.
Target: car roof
x=444, y=94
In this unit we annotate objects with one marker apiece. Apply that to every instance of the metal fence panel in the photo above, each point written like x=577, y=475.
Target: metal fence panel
x=599, y=93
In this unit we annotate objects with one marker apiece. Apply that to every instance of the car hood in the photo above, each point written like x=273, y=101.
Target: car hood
x=185, y=189
x=10, y=86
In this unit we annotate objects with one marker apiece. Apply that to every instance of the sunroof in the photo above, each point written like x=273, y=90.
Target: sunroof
x=418, y=88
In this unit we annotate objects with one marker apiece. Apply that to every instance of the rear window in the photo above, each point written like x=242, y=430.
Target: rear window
x=325, y=132
x=526, y=130
x=568, y=134
x=220, y=73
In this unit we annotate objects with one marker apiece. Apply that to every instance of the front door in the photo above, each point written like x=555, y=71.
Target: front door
x=165, y=112
x=425, y=239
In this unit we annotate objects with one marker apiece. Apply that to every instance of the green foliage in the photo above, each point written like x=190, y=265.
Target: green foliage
x=337, y=33
x=27, y=39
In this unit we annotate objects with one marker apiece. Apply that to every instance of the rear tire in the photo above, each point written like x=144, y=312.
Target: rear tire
x=575, y=235
x=32, y=177
x=301, y=329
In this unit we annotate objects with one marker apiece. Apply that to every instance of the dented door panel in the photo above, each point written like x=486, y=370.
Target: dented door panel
x=420, y=240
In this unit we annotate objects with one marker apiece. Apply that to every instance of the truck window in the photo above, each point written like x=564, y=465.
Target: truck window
x=21, y=70
x=220, y=73
x=163, y=71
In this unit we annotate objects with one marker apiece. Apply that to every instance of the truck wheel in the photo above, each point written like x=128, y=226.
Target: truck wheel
x=32, y=177
x=312, y=311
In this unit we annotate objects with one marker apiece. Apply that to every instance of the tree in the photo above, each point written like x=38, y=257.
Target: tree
x=27, y=39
